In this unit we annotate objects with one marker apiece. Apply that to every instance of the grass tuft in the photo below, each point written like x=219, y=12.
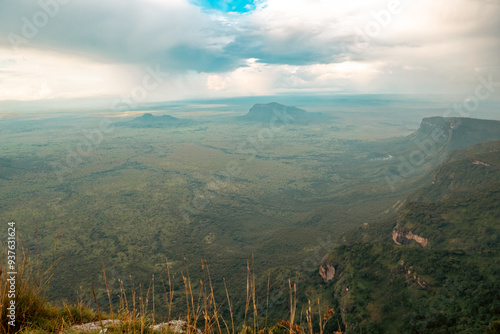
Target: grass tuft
x=134, y=312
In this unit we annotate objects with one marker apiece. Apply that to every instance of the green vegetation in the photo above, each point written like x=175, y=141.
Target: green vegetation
x=133, y=311
x=122, y=202
x=33, y=314
x=449, y=286
x=128, y=198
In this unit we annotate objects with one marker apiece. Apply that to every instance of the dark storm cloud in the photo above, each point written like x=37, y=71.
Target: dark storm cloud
x=297, y=48
x=180, y=36
x=135, y=32
x=176, y=34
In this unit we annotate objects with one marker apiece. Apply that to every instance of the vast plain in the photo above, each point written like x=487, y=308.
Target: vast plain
x=103, y=191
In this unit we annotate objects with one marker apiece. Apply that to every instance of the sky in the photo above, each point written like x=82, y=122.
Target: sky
x=161, y=50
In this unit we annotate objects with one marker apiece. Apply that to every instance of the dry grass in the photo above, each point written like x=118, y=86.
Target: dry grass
x=32, y=311
x=135, y=310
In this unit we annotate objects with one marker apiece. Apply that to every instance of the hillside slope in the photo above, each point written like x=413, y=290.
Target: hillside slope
x=438, y=271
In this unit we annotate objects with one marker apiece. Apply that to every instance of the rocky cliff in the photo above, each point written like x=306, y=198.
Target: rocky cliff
x=402, y=238
x=327, y=272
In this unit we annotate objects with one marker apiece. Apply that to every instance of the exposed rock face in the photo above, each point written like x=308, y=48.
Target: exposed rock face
x=477, y=162
x=458, y=132
x=421, y=284
x=176, y=326
x=97, y=325
x=401, y=238
x=327, y=272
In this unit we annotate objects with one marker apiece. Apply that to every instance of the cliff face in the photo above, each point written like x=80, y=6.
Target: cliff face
x=327, y=272
x=457, y=132
x=402, y=238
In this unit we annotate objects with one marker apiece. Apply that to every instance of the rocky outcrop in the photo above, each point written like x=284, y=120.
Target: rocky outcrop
x=402, y=238
x=477, y=162
x=414, y=279
x=327, y=272
x=96, y=326
x=175, y=326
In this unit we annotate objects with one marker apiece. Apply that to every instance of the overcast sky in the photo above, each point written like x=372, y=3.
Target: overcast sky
x=202, y=48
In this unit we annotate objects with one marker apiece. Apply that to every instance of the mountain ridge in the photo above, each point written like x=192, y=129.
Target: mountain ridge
x=457, y=132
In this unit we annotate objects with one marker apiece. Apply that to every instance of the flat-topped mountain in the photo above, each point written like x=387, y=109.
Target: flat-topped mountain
x=151, y=121
x=278, y=112
x=458, y=132
x=432, y=143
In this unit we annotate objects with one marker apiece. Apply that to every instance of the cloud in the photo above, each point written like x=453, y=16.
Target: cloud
x=248, y=47
x=200, y=59
x=132, y=31
x=237, y=6
x=33, y=74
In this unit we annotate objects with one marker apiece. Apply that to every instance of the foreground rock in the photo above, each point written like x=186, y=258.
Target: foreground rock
x=175, y=326
x=96, y=326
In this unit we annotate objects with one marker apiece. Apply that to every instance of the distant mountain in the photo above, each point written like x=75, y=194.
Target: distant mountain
x=150, y=121
x=275, y=112
x=436, y=268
